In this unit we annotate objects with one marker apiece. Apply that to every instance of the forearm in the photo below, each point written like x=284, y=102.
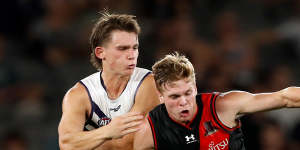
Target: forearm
x=84, y=140
x=124, y=143
x=291, y=96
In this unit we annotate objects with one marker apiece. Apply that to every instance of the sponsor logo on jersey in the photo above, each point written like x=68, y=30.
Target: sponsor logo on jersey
x=103, y=121
x=115, y=109
x=219, y=146
x=190, y=139
x=209, y=128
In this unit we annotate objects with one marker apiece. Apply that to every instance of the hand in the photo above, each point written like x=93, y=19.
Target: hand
x=124, y=124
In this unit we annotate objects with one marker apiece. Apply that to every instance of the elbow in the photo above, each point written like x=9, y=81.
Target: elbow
x=290, y=97
x=65, y=144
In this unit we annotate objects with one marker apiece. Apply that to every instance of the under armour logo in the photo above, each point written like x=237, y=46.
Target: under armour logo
x=190, y=139
x=115, y=109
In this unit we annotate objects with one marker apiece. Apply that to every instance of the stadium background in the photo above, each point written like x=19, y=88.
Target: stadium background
x=251, y=45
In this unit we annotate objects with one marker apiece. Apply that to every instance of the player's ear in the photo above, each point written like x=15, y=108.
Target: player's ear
x=196, y=90
x=161, y=98
x=160, y=95
x=99, y=52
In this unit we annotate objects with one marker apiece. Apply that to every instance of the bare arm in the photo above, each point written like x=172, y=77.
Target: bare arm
x=232, y=104
x=75, y=107
x=146, y=99
x=143, y=138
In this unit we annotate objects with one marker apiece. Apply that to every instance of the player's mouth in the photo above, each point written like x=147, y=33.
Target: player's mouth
x=185, y=113
x=132, y=66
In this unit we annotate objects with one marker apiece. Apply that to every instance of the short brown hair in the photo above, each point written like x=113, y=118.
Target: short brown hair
x=103, y=28
x=172, y=67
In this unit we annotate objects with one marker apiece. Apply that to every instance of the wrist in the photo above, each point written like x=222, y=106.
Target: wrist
x=105, y=133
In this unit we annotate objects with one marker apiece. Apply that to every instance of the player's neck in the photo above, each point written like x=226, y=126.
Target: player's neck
x=111, y=77
x=115, y=84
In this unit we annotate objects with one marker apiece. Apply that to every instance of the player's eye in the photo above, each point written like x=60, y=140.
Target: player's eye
x=174, y=96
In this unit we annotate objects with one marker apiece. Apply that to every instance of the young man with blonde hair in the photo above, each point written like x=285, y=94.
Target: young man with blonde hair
x=205, y=121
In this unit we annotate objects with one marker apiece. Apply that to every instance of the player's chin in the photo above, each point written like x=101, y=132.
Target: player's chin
x=184, y=120
x=128, y=71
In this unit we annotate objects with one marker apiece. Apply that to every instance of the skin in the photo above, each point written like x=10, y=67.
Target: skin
x=119, y=57
x=229, y=107
x=179, y=98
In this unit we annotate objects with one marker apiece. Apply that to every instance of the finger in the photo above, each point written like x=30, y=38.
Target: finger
x=133, y=118
x=133, y=124
x=130, y=130
x=132, y=114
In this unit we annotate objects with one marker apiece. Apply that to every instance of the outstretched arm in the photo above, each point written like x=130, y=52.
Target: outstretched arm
x=235, y=103
x=75, y=107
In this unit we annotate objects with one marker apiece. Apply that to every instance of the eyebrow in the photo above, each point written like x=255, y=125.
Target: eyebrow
x=189, y=90
x=174, y=95
x=123, y=46
x=127, y=46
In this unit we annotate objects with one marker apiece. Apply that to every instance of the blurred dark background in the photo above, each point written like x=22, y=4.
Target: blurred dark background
x=251, y=45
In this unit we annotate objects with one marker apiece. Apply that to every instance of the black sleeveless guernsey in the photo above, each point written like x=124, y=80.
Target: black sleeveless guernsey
x=204, y=132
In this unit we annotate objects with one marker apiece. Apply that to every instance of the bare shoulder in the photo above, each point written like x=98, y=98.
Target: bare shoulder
x=77, y=95
x=76, y=103
x=231, y=101
x=148, y=85
x=74, y=109
x=149, y=80
x=147, y=96
x=232, y=96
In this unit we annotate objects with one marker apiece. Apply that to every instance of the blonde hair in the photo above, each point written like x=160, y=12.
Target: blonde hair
x=103, y=28
x=172, y=67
